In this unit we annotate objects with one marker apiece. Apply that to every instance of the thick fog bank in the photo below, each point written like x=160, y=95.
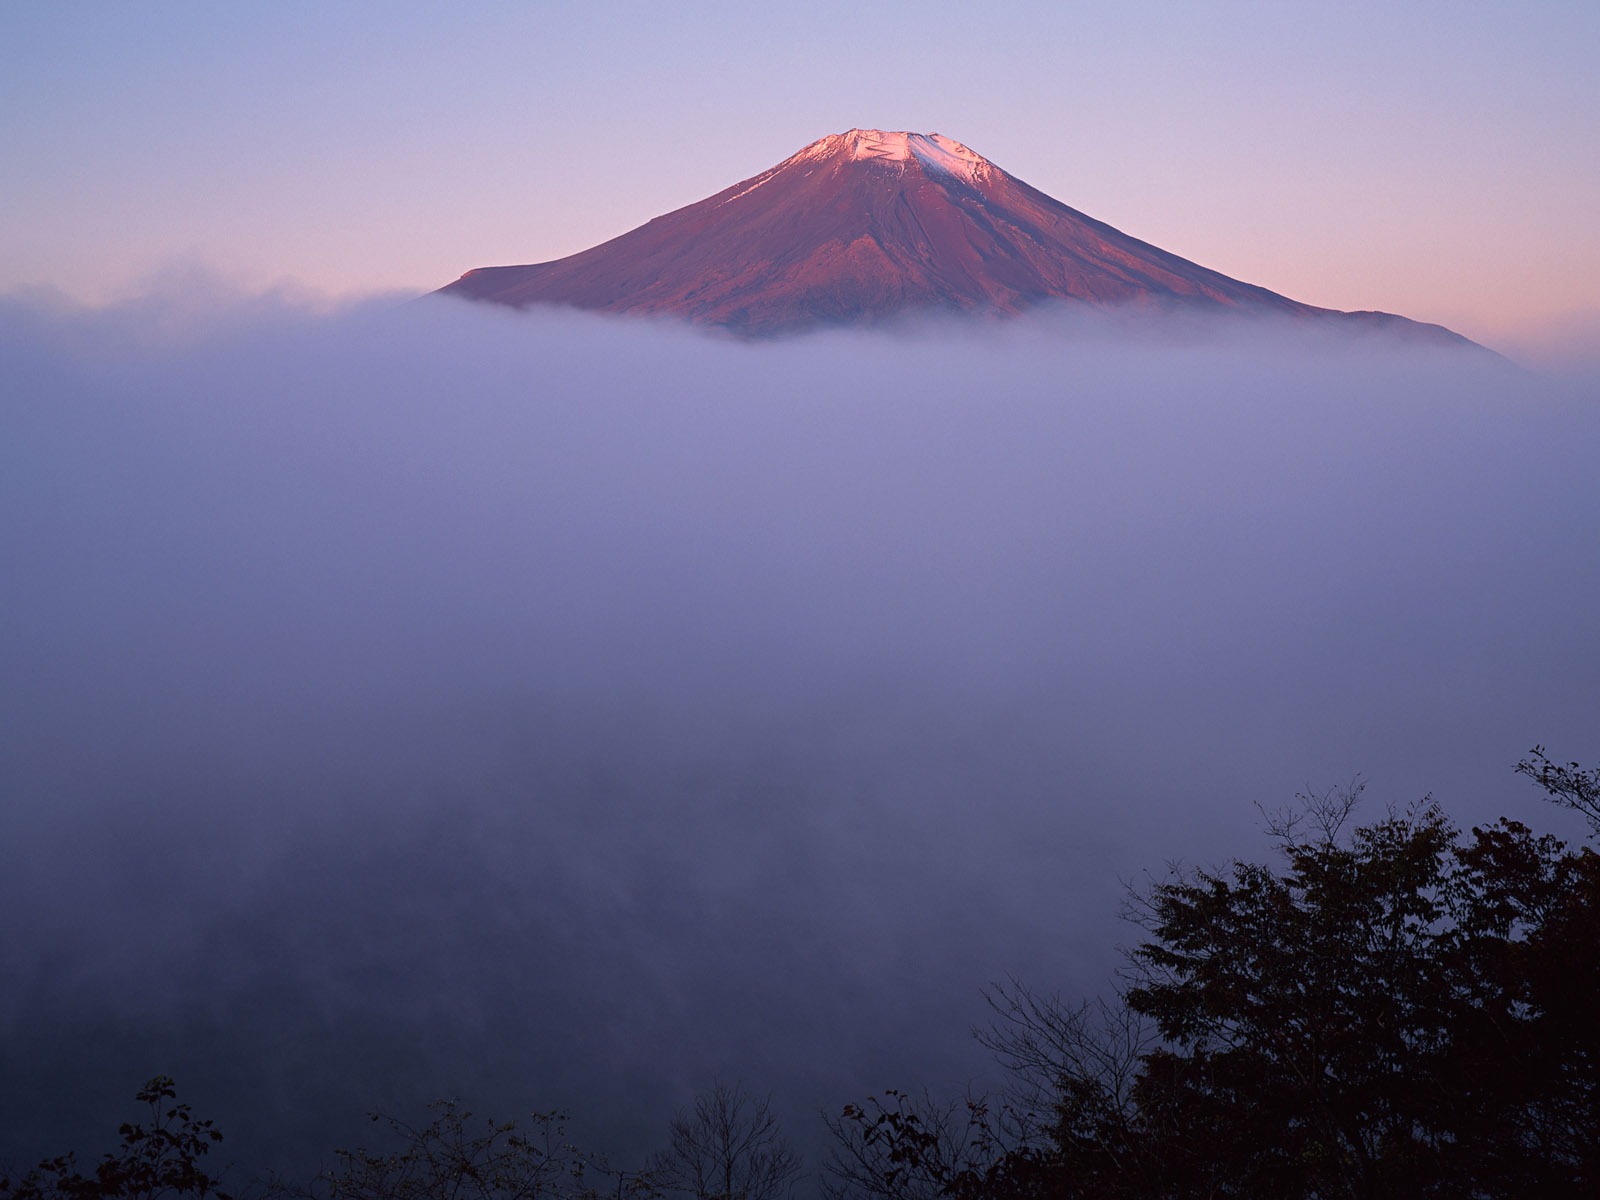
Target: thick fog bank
x=429, y=700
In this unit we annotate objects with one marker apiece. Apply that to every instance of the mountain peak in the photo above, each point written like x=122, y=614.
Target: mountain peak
x=876, y=225
x=932, y=151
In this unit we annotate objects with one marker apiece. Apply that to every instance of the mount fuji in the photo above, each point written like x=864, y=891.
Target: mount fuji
x=871, y=226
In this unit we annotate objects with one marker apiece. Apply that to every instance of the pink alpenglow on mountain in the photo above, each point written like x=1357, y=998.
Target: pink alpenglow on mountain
x=870, y=226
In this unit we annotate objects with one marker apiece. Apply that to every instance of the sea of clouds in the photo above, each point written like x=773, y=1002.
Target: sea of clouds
x=417, y=699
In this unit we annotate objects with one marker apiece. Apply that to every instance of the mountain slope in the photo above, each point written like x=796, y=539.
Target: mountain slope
x=869, y=225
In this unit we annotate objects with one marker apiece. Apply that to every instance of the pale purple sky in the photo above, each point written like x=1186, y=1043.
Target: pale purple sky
x=1438, y=160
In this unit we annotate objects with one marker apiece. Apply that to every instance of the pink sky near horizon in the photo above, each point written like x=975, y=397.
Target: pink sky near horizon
x=1440, y=161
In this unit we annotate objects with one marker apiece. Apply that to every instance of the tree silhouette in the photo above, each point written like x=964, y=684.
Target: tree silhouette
x=1392, y=1010
x=454, y=1157
x=158, y=1158
x=728, y=1146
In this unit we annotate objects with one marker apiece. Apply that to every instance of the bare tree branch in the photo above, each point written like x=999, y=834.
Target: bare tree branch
x=728, y=1146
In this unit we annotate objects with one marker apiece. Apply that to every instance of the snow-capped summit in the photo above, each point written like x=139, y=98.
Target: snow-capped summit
x=932, y=150
x=870, y=225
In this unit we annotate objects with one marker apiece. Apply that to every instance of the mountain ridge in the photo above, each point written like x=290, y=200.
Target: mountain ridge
x=868, y=226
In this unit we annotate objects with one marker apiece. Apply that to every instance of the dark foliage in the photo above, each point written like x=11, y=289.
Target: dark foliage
x=1569, y=786
x=1394, y=1010
x=906, y=1147
x=1401, y=1012
x=158, y=1158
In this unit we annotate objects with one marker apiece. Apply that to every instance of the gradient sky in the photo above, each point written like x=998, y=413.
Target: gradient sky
x=1438, y=160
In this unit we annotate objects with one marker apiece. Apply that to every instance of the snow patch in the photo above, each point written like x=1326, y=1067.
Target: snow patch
x=940, y=153
x=932, y=151
x=757, y=182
